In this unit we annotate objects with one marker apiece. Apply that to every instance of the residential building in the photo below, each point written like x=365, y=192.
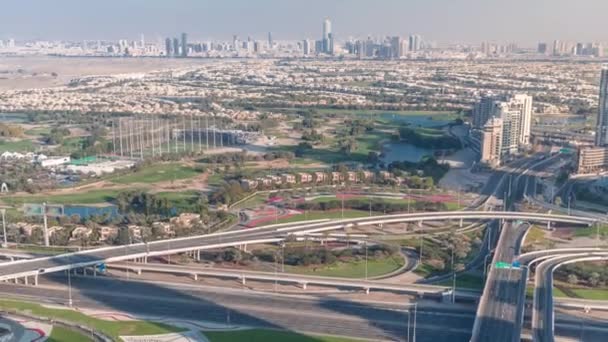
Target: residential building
x=320, y=177
x=288, y=178
x=305, y=177
x=491, y=142
x=591, y=160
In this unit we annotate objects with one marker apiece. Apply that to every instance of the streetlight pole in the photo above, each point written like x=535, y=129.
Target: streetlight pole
x=453, y=278
x=69, y=286
x=421, y=244
x=365, y=260
x=3, y=212
x=415, y=319
x=282, y=257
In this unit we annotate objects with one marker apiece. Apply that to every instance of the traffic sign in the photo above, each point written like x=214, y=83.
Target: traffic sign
x=502, y=264
x=516, y=264
x=101, y=268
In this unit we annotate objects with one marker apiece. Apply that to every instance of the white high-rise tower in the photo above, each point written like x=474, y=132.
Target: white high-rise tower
x=327, y=36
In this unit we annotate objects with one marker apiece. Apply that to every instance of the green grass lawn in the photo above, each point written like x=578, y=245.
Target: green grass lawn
x=326, y=199
x=556, y=292
x=354, y=269
x=38, y=131
x=535, y=235
x=465, y=281
x=267, y=335
x=157, y=173
x=114, y=329
x=89, y=197
x=317, y=215
x=594, y=294
x=16, y=146
x=61, y=334
x=592, y=232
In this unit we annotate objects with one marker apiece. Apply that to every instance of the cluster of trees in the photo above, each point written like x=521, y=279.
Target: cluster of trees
x=427, y=138
x=240, y=158
x=347, y=138
x=136, y=201
x=427, y=165
x=56, y=135
x=312, y=135
x=228, y=193
x=10, y=131
x=309, y=256
x=590, y=274
x=440, y=255
x=377, y=206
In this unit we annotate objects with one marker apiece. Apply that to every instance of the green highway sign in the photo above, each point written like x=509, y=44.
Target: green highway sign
x=501, y=264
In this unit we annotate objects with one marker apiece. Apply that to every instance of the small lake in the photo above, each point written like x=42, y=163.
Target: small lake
x=400, y=151
x=13, y=117
x=422, y=120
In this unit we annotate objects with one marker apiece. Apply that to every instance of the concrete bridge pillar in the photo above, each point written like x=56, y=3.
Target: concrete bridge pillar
x=195, y=276
x=548, y=225
x=367, y=290
x=36, y=280
x=245, y=248
x=304, y=286
x=138, y=271
x=461, y=222
x=243, y=280
x=25, y=280
x=198, y=255
x=419, y=224
x=94, y=271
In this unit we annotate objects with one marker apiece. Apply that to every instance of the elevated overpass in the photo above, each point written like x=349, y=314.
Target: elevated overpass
x=268, y=234
x=543, y=321
x=427, y=291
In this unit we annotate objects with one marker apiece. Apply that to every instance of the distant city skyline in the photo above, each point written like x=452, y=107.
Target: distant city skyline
x=444, y=21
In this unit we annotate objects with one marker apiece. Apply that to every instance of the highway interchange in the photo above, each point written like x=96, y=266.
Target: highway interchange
x=500, y=315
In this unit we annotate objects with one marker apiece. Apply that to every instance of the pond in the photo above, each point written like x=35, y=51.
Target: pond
x=422, y=120
x=401, y=151
x=14, y=117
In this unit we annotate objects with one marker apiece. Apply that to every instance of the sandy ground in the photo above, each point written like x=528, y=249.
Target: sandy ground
x=36, y=70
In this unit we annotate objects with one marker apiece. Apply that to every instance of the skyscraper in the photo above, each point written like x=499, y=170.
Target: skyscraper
x=306, y=47
x=270, y=42
x=168, y=47
x=184, y=45
x=601, y=130
x=415, y=42
x=175, y=47
x=327, y=36
x=483, y=110
x=523, y=104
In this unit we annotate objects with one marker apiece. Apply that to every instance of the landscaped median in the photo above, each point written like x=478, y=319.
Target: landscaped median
x=113, y=329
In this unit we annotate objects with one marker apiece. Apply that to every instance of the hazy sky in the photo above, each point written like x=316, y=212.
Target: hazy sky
x=525, y=21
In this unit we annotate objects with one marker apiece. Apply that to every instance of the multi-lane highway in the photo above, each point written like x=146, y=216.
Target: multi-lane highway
x=34, y=267
x=498, y=317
